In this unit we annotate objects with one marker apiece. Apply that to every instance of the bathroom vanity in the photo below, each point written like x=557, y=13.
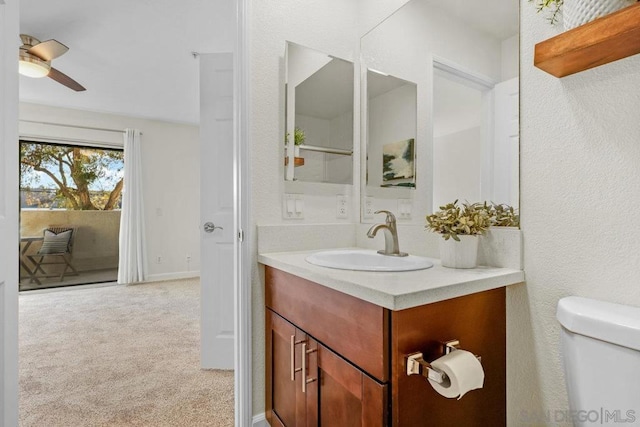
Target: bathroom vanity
x=337, y=341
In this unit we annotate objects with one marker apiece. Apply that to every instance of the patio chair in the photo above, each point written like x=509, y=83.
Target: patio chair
x=56, y=249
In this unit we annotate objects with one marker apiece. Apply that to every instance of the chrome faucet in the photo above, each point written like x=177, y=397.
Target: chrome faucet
x=390, y=230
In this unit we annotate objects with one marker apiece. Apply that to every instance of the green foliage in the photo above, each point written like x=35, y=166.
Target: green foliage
x=504, y=216
x=471, y=219
x=82, y=176
x=554, y=8
x=453, y=219
x=298, y=136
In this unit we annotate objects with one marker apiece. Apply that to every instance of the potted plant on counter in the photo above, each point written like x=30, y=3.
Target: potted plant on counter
x=460, y=227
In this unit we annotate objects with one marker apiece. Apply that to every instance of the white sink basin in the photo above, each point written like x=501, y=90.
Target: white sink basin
x=367, y=260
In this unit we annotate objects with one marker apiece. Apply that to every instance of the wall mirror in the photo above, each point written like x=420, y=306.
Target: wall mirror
x=391, y=131
x=450, y=104
x=318, y=141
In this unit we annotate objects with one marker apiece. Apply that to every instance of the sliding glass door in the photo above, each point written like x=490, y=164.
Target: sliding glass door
x=70, y=199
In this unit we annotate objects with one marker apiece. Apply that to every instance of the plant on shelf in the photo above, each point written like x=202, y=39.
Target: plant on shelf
x=554, y=7
x=578, y=12
x=298, y=137
x=453, y=220
x=298, y=140
x=503, y=215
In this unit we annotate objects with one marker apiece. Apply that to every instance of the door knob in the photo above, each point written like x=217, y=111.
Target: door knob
x=210, y=227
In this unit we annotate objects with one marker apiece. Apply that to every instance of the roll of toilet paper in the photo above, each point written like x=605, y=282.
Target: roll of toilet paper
x=464, y=373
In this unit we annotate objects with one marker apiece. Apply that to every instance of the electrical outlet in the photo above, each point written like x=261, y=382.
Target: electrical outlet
x=342, y=206
x=368, y=208
x=188, y=257
x=293, y=206
x=159, y=259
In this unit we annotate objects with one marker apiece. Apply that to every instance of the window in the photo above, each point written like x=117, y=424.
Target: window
x=70, y=177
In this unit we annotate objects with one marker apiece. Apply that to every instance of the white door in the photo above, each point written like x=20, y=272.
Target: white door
x=507, y=143
x=9, y=44
x=216, y=211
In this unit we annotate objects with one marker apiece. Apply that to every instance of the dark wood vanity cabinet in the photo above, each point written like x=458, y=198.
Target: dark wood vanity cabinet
x=350, y=355
x=335, y=393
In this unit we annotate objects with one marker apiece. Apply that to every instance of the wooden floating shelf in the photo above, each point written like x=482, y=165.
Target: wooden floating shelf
x=297, y=161
x=607, y=39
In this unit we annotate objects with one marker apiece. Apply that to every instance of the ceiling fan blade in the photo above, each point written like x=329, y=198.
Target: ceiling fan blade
x=48, y=50
x=65, y=80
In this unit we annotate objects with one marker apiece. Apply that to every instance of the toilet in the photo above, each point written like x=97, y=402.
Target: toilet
x=600, y=345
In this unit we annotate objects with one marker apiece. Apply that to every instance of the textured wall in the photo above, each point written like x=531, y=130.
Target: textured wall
x=328, y=26
x=331, y=26
x=580, y=175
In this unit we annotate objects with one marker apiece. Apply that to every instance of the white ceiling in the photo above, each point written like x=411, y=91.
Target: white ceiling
x=380, y=83
x=134, y=57
x=328, y=93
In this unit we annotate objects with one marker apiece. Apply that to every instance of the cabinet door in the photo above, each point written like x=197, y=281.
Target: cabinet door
x=478, y=321
x=285, y=400
x=339, y=394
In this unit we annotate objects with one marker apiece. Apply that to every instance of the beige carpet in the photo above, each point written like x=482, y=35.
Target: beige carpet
x=118, y=356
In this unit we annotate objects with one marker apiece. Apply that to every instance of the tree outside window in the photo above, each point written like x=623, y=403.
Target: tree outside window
x=70, y=177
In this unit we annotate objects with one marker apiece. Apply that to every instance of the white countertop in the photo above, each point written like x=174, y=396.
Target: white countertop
x=396, y=290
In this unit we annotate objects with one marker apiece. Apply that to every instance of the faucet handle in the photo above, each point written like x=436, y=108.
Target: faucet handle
x=391, y=218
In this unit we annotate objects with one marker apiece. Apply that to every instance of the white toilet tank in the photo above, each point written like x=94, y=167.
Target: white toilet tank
x=600, y=344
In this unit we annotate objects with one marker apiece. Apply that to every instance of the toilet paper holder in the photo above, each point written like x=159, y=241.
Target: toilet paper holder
x=416, y=365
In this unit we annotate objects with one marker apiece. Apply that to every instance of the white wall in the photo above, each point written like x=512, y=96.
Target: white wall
x=302, y=63
x=334, y=133
x=330, y=26
x=339, y=168
x=391, y=118
x=457, y=173
x=510, y=58
x=316, y=132
x=580, y=177
x=170, y=178
x=458, y=141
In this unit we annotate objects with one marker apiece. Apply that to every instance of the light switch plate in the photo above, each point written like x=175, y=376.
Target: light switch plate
x=293, y=206
x=405, y=206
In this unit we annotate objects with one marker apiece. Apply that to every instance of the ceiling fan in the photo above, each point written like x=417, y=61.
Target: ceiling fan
x=35, y=60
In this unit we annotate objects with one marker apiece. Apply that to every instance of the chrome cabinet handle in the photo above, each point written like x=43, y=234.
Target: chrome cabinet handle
x=306, y=380
x=210, y=227
x=293, y=344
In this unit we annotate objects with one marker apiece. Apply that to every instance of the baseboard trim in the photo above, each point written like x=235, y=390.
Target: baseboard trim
x=172, y=276
x=69, y=287
x=259, y=421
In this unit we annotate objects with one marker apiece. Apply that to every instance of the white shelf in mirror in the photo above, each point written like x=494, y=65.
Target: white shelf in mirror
x=328, y=150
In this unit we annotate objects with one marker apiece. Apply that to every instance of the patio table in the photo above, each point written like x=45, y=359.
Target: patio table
x=28, y=241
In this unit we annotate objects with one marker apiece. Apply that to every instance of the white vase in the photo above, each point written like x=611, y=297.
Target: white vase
x=579, y=12
x=462, y=254
x=295, y=148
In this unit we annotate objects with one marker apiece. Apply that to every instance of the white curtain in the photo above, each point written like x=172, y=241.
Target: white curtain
x=132, y=266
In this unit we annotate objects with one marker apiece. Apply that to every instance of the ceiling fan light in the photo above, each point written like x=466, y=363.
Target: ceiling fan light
x=33, y=67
